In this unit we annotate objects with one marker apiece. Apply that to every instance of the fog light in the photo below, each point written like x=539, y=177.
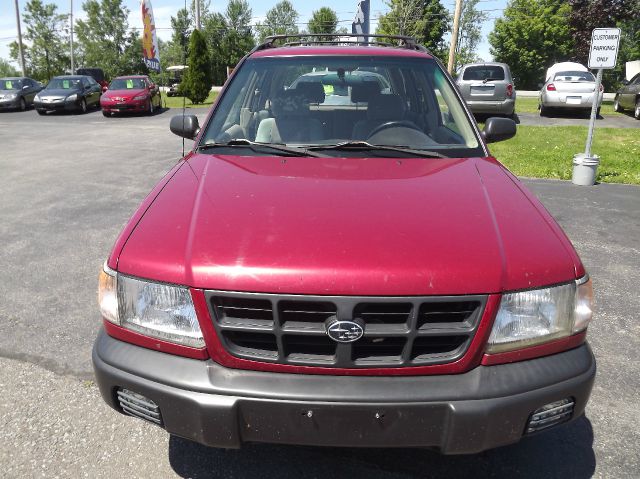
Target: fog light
x=550, y=415
x=137, y=405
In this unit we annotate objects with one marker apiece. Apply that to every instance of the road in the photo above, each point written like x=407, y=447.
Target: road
x=70, y=182
x=573, y=119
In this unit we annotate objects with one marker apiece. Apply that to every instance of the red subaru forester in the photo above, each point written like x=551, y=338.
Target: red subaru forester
x=340, y=261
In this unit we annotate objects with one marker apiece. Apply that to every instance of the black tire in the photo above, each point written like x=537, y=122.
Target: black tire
x=41, y=112
x=616, y=105
x=636, y=112
x=106, y=113
x=597, y=112
x=151, y=110
x=23, y=104
x=544, y=111
x=83, y=106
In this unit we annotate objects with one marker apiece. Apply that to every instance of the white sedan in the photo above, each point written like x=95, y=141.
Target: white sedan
x=570, y=89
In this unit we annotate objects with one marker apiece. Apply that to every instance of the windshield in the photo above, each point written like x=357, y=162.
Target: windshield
x=574, y=76
x=10, y=84
x=484, y=72
x=127, y=84
x=313, y=101
x=64, y=84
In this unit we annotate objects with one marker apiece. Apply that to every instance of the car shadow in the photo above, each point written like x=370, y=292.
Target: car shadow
x=563, y=452
x=571, y=114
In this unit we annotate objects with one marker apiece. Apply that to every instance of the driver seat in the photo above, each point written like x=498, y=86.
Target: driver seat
x=380, y=109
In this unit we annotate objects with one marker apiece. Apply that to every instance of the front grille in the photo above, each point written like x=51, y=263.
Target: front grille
x=137, y=405
x=398, y=331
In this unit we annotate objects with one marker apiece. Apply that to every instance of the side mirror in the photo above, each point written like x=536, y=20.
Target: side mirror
x=186, y=126
x=152, y=86
x=26, y=87
x=498, y=129
x=625, y=82
x=104, y=88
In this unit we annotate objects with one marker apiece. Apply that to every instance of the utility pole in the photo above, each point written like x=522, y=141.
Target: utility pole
x=71, y=37
x=20, y=48
x=454, y=35
x=197, y=2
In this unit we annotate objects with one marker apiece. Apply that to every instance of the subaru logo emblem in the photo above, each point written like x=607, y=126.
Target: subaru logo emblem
x=344, y=331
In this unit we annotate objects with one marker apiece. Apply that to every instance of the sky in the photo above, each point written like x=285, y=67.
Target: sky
x=164, y=9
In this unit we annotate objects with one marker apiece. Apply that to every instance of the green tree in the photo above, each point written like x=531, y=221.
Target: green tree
x=106, y=41
x=324, y=20
x=531, y=36
x=280, y=20
x=425, y=20
x=197, y=79
x=215, y=30
x=589, y=14
x=47, y=48
x=6, y=69
x=469, y=35
x=238, y=39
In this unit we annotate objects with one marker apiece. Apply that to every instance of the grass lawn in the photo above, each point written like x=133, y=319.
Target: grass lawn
x=547, y=152
x=530, y=105
x=176, y=101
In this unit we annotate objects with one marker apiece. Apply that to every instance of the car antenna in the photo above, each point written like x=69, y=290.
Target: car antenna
x=184, y=100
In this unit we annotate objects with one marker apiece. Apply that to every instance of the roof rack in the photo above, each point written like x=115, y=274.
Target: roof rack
x=304, y=39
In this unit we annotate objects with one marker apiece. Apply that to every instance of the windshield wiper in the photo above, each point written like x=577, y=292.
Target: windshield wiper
x=257, y=146
x=363, y=145
x=489, y=79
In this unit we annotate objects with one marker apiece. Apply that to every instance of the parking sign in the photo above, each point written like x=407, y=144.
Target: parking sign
x=604, y=48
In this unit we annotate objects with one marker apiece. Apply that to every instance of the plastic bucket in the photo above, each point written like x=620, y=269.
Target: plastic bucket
x=585, y=169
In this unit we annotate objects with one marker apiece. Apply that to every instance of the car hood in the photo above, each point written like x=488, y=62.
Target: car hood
x=8, y=92
x=347, y=226
x=57, y=92
x=126, y=94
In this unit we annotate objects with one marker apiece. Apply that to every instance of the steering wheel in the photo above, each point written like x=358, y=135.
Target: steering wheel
x=394, y=123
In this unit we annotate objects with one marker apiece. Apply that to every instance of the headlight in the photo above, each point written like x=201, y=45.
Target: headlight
x=528, y=318
x=154, y=309
x=140, y=97
x=73, y=97
x=10, y=96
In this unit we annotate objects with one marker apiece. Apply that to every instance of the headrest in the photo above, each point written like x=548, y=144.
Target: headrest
x=312, y=92
x=364, y=91
x=385, y=107
x=289, y=103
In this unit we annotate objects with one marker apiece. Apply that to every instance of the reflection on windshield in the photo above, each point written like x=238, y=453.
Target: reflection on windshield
x=127, y=84
x=304, y=101
x=64, y=84
x=10, y=84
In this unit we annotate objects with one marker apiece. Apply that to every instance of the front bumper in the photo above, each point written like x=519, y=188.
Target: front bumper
x=486, y=407
x=503, y=107
x=61, y=105
x=10, y=104
x=124, y=107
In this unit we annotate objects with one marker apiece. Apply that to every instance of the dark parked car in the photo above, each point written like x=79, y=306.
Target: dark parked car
x=97, y=74
x=356, y=274
x=68, y=93
x=628, y=97
x=131, y=94
x=17, y=93
x=487, y=88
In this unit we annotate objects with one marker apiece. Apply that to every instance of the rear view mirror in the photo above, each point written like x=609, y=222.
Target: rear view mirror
x=498, y=129
x=186, y=126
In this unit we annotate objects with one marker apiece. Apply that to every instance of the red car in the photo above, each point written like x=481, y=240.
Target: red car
x=344, y=264
x=131, y=94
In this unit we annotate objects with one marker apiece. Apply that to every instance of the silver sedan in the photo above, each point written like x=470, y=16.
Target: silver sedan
x=569, y=90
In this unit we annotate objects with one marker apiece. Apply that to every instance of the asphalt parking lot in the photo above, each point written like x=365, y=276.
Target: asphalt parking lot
x=68, y=183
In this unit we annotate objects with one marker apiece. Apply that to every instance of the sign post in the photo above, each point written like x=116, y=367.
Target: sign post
x=602, y=56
